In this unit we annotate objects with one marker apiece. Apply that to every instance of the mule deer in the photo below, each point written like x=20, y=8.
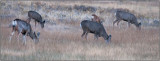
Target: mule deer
x=37, y=17
x=96, y=28
x=126, y=16
x=24, y=28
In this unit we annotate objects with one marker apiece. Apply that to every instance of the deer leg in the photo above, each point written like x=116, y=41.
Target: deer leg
x=18, y=36
x=24, y=39
x=35, y=23
x=129, y=24
x=11, y=36
x=28, y=20
x=95, y=36
x=83, y=34
x=19, y=32
x=115, y=21
x=13, y=31
x=86, y=35
x=118, y=22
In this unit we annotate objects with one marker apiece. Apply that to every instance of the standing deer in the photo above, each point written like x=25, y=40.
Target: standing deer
x=96, y=28
x=96, y=18
x=37, y=17
x=126, y=16
x=24, y=28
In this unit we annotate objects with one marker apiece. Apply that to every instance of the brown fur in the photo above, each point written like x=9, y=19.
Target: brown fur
x=96, y=18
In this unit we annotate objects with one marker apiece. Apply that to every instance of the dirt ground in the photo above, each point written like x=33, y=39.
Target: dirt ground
x=64, y=42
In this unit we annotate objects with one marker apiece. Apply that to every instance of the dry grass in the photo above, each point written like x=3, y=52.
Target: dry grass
x=62, y=41
x=140, y=9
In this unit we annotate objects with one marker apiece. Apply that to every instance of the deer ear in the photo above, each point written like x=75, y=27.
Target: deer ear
x=139, y=24
x=44, y=21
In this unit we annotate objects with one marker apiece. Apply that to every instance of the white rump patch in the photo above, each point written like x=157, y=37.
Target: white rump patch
x=14, y=23
x=92, y=16
x=80, y=25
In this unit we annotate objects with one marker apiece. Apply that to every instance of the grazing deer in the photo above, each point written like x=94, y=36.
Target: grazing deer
x=96, y=28
x=37, y=17
x=126, y=16
x=96, y=18
x=24, y=28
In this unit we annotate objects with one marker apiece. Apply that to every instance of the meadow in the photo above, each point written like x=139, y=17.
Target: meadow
x=60, y=39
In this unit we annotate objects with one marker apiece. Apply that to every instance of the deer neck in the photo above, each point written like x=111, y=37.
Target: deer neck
x=105, y=35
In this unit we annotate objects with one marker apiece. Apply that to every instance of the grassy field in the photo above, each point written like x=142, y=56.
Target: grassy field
x=61, y=37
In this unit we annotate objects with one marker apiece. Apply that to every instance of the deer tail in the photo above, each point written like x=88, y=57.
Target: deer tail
x=13, y=24
x=80, y=25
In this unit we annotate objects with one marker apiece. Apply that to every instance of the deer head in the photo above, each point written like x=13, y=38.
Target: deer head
x=42, y=23
x=35, y=37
